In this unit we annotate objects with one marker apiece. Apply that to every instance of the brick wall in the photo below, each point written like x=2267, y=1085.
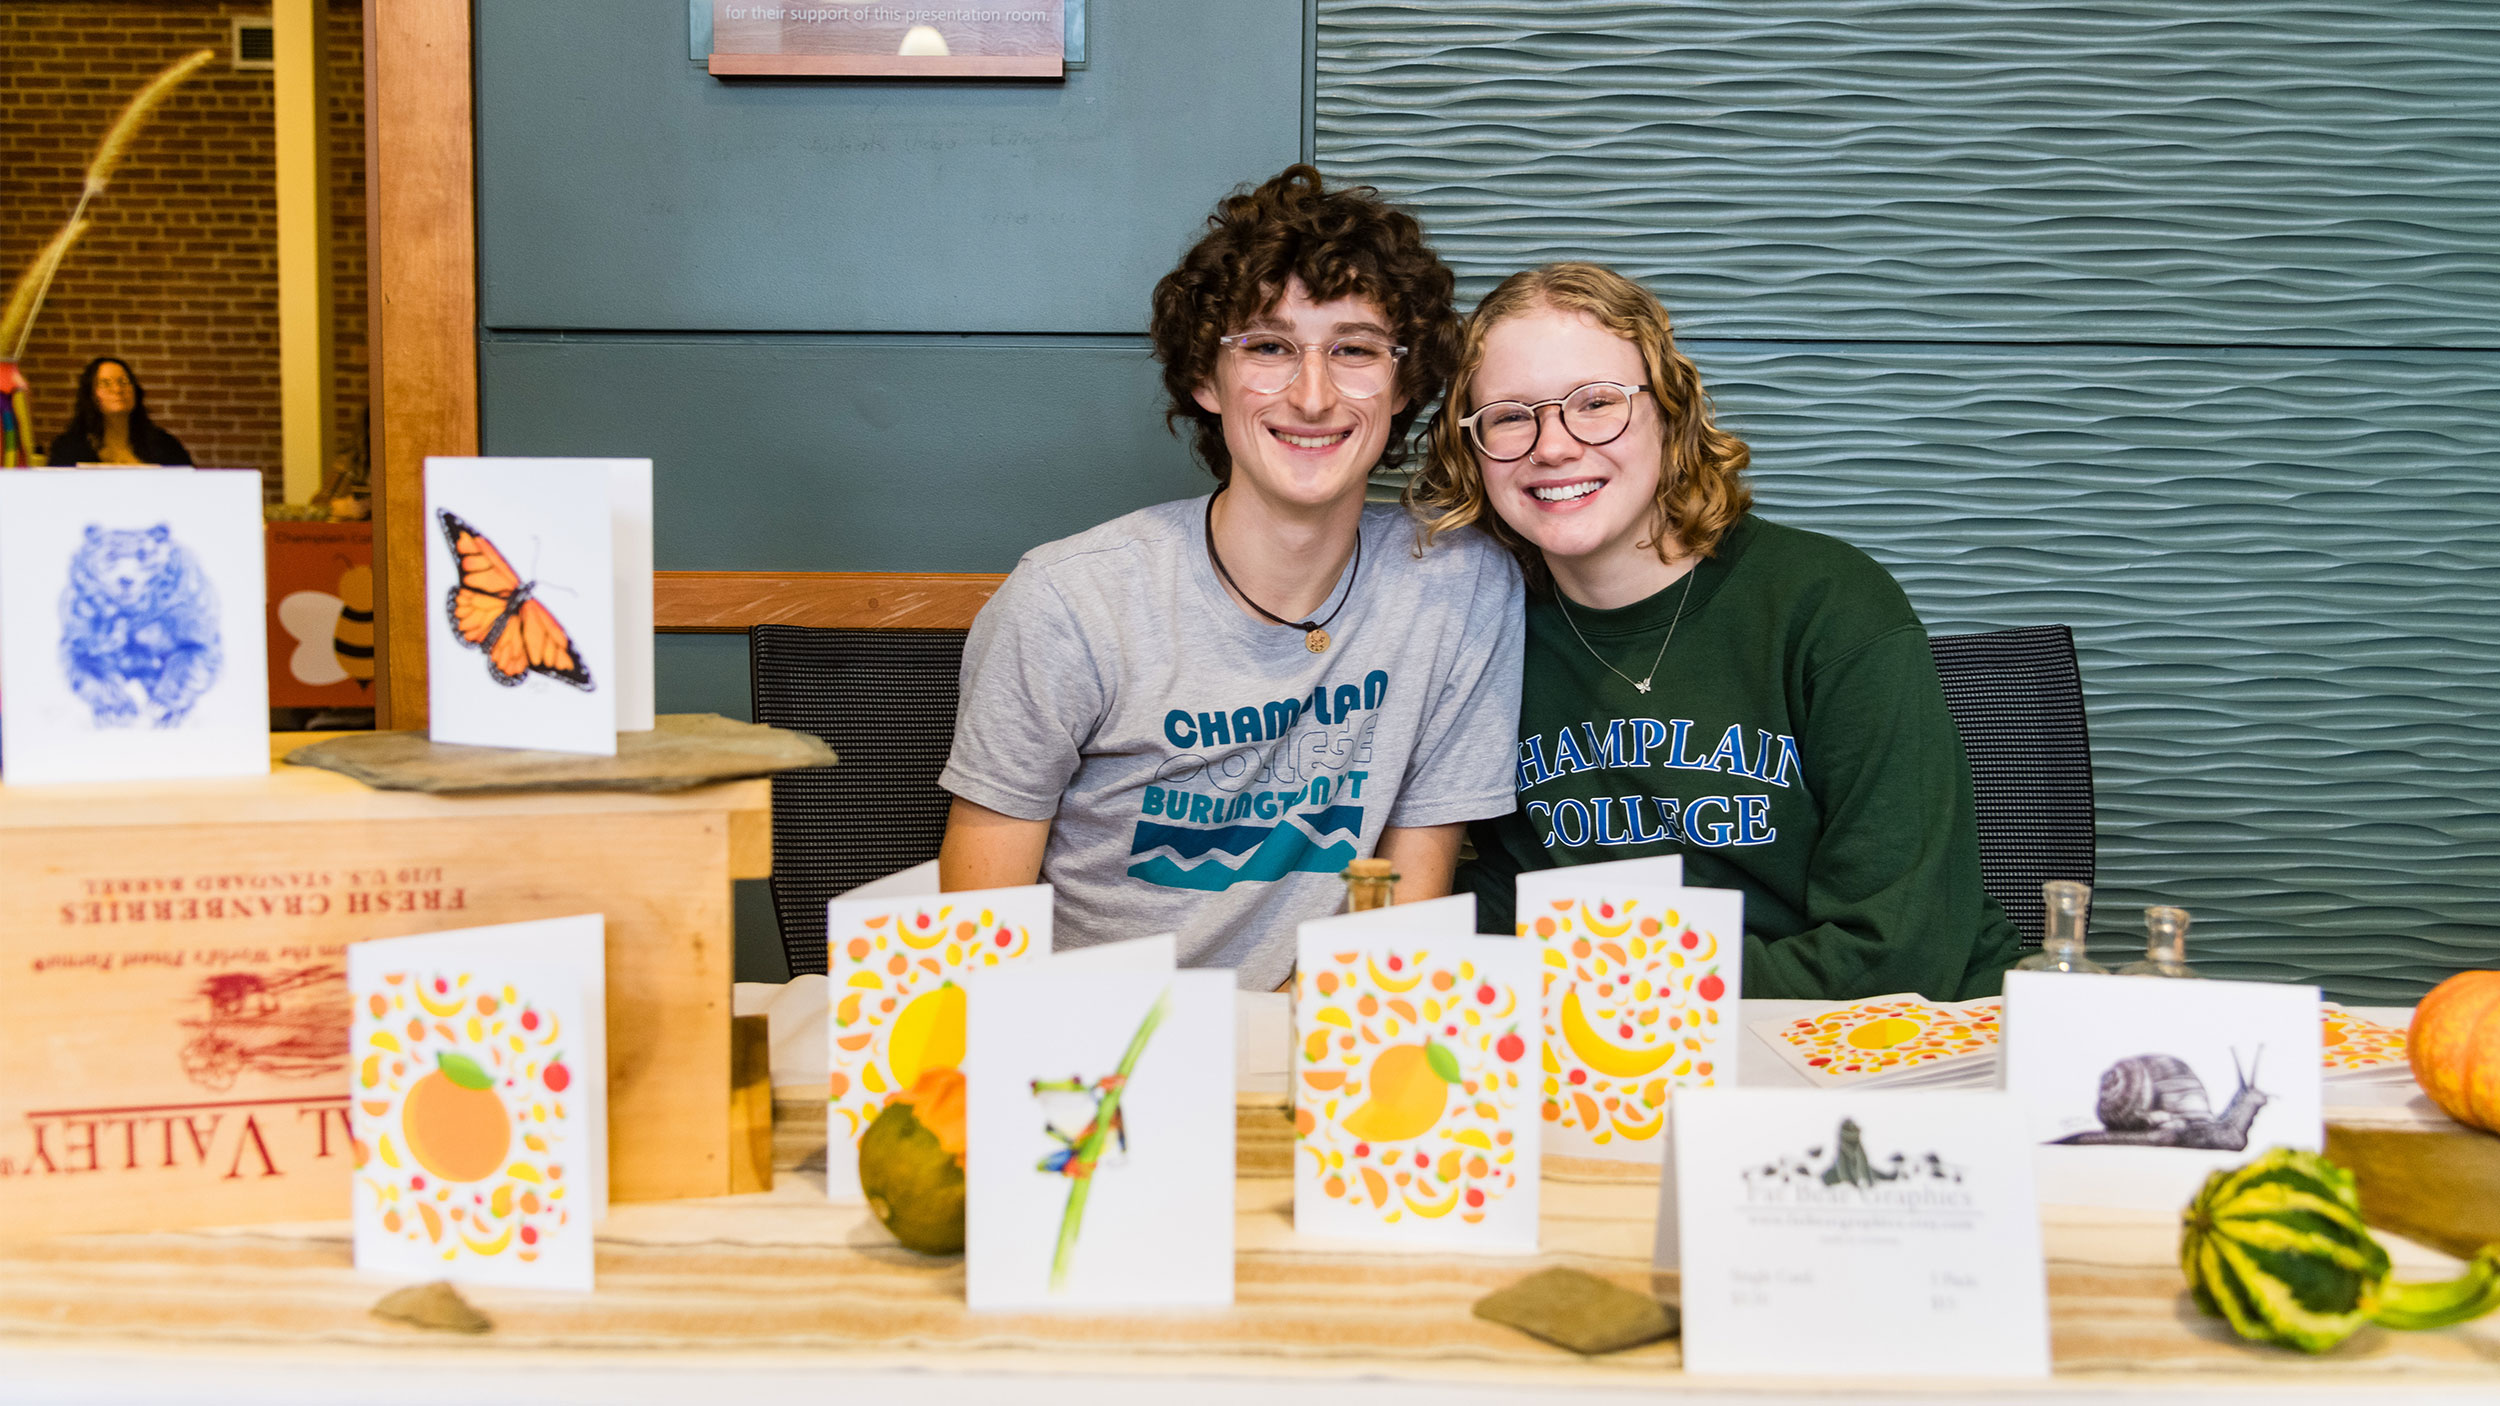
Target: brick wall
x=179, y=271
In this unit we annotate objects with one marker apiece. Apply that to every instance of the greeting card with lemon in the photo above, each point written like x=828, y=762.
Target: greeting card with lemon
x=1640, y=991
x=1415, y=1088
x=479, y=1116
x=895, y=968
x=1890, y=1042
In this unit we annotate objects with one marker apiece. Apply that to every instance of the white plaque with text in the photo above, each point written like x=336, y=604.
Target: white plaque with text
x=1846, y=1233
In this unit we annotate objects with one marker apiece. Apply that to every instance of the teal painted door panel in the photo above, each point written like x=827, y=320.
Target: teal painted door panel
x=851, y=453
x=2305, y=171
x=621, y=187
x=2283, y=572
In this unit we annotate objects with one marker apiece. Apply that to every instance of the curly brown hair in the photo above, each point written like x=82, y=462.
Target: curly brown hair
x=1701, y=486
x=1340, y=243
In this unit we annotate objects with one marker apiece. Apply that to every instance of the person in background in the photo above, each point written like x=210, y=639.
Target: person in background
x=1756, y=698
x=111, y=424
x=1191, y=719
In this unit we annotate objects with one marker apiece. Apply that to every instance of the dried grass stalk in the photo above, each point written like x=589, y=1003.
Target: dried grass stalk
x=26, y=297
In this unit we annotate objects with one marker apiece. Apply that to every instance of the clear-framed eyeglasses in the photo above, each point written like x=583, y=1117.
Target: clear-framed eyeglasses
x=1267, y=362
x=1594, y=414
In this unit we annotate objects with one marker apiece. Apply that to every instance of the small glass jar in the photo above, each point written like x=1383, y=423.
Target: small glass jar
x=1369, y=884
x=2069, y=903
x=2165, y=945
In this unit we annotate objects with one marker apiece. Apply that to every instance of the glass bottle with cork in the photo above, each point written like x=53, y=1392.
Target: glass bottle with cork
x=1369, y=884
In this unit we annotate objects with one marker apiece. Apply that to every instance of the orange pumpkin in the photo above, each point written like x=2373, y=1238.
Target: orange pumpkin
x=2455, y=1047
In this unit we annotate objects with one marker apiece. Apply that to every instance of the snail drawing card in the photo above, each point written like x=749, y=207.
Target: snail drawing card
x=1099, y=1128
x=478, y=1074
x=1640, y=992
x=133, y=643
x=1836, y=1233
x=520, y=574
x=2134, y=1088
x=894, y=973
x=1417, y=1089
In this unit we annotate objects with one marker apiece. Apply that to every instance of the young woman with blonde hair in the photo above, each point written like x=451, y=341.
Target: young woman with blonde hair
x=1698, y=680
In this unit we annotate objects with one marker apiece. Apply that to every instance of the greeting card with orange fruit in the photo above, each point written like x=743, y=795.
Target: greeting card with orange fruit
x=895, y=970
x=1414, y=1083
x=1640, y=992
x=479, y=1116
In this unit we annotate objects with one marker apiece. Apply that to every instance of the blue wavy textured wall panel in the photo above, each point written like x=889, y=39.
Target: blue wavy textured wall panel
x=2283, y=571
x=2301, y=171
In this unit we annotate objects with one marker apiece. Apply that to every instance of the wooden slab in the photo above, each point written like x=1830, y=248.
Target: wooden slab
x=782, y=1280
x=685, y=750
x=174, y=1048
x=2441, y=1187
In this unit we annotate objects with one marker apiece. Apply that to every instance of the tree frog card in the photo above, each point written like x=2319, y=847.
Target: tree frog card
x=1641, y=984
x=1845, y=1233
x=2134, y=1088
x=1416, y=1084
x=1099, y=1136
x=478, y=1070
x=894, y=973
x=132, y=643
x=522, y=642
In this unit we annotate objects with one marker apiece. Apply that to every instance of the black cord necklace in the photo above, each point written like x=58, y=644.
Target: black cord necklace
x=1314, y=632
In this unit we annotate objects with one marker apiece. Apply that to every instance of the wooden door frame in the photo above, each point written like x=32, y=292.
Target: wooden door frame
x=421, y=214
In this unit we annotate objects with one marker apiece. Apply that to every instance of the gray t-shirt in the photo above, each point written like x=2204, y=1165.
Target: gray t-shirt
x=1204, y=772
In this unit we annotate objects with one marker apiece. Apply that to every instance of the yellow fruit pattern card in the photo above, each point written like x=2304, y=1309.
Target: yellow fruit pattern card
x=894, y=974
x=479, y=1122
x=1415, y=1088
x=1640, y=992
x=1888, y=1040
x=2352, y=1045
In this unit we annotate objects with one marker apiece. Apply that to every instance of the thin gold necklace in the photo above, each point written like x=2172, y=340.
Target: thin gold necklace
x=1564, y=602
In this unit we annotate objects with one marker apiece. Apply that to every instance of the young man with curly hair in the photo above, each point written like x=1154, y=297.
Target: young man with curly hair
x=1192, y=718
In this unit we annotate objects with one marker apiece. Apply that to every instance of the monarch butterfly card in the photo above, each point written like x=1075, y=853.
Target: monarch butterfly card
x=521, y=648
x=1640, y=985
x=132, y=641
x=478, y=1085
x=1416, y=1081
x=895, y=972
x=1099, y=1117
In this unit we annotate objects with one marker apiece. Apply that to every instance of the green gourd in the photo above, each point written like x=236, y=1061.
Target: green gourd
x=2277, y=1249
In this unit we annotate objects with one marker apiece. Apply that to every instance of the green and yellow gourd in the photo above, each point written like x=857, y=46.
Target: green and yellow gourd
x=2278, y=1250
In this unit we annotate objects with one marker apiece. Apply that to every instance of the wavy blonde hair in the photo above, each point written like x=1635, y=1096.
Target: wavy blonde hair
x=1701, y=487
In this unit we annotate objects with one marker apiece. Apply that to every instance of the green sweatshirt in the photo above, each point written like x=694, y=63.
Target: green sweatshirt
x=1794, y=745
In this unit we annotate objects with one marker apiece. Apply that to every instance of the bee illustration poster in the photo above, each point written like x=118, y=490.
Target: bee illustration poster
x=2134, y=1088
x=1099, y=1120
x=521, y=618
x=132, y=644
x=895, y=971
x=1846, y=1234
x=478, y=1070
x=1416, y=1087
x=1640, y=992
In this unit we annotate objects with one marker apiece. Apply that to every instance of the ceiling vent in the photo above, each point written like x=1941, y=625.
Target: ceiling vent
x=255, y=43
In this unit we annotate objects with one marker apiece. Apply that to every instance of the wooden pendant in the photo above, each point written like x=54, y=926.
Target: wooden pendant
x=1316, y=641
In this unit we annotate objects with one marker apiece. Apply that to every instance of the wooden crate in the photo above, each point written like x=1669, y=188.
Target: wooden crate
x=173, y=1038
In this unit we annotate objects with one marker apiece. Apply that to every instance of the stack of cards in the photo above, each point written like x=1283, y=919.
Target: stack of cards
x=1417, y=1081
x=1099, y=1133
x=132, y=644
x=2359, y=1051
x=1891, y=1042
x=1640, y=977
x=896, y=966
x=479, y=1071
x=540, y=571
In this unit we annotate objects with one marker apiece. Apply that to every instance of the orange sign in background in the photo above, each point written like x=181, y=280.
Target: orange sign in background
x=320, y=614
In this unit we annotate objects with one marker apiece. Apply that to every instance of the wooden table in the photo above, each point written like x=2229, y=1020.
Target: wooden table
x=779, y=1296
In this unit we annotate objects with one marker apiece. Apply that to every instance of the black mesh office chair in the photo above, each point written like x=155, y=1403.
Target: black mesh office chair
x=885, y=700
x=2017, y=699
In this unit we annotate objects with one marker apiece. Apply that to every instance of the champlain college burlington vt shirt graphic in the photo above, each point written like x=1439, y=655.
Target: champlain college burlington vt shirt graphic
x=1203, y=772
